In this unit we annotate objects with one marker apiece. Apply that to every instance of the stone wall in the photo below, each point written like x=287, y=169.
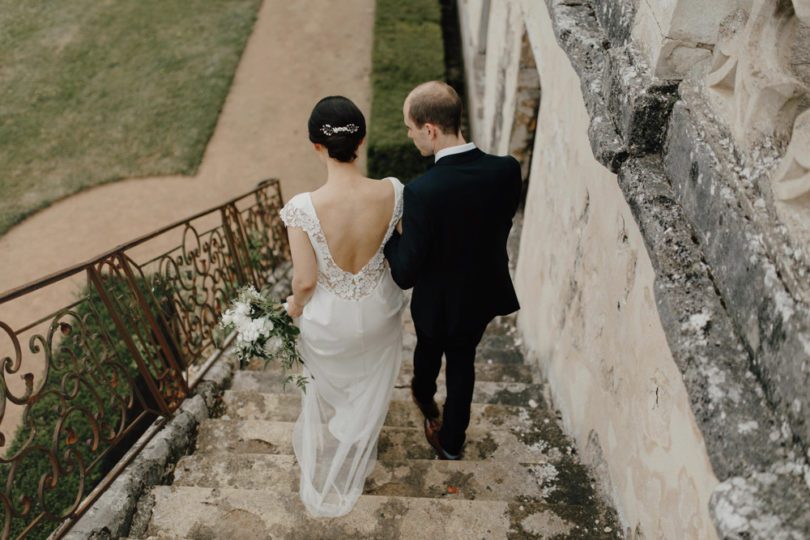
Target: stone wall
x=663, y=261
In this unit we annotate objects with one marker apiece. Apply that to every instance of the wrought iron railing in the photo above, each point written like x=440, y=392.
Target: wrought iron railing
x=79, y=385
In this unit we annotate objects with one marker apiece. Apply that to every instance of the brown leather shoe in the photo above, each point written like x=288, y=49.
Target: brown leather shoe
x=429, y=410
x=432, y=436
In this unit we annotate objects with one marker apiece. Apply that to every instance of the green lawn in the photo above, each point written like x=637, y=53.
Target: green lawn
x=98, y=90
x=408, y=50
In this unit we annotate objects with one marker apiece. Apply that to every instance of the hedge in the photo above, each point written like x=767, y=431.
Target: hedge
x=408, y=50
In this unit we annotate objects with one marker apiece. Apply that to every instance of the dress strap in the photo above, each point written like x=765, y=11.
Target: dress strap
x=397, y=215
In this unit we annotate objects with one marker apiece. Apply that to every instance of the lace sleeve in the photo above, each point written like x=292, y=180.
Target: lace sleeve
x=294, y=215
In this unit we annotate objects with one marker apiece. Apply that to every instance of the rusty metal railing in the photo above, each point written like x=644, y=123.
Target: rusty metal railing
x=80, y=384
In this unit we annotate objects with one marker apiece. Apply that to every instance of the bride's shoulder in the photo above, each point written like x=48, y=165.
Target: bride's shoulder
x=298, y=200
x=398, y=186
x=296, y=211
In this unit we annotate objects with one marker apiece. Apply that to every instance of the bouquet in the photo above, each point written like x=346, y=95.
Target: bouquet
x=264, y=330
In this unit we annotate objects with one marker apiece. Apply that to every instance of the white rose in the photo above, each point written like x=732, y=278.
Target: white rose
x=241, y=309
x=256, y=326
x=249, y=333
x=242, y=321
x=252, y=294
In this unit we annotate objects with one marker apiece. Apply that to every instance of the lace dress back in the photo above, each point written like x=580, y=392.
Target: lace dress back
x=300, y=212
x=351, y=343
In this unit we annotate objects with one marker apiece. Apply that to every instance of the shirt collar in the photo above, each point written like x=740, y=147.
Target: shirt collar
x=450, y=150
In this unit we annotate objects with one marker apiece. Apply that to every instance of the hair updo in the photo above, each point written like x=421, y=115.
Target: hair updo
x=337, y=124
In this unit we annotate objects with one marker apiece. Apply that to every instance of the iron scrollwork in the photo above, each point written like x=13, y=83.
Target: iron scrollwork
x=93, y=374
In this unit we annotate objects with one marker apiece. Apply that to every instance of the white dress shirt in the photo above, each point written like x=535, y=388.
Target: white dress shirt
x=450, y=150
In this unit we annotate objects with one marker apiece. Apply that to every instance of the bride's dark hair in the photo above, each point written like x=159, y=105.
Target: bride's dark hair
x=339, y=125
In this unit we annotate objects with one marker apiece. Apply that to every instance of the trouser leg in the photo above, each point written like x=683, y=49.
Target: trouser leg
x=460, y=373
x=427, y=362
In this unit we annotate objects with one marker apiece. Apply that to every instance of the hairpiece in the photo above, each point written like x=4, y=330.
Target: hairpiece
x=328, y=130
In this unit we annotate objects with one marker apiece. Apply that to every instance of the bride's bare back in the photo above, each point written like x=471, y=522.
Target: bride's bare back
x=354, y=222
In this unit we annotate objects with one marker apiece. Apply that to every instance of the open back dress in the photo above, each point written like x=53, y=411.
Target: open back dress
x=351, y=344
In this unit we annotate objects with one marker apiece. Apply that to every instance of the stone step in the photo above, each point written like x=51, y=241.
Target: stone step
x=506, y=393
x=485, y=370
x=492, y=349
x=269, y=380
x=499, y=349
x=198, y=512
x=566, y=483
x=540, y=444
x=506, y=340
x=161, y=537
x=503, y=393
x=502, y=326
x=401, y=413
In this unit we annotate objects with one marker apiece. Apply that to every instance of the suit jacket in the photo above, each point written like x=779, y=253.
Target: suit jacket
x=452, y=250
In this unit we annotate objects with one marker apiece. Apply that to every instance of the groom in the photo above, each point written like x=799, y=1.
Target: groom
x=452, y=251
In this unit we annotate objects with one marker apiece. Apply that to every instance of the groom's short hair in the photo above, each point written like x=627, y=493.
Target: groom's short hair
x=435, y=102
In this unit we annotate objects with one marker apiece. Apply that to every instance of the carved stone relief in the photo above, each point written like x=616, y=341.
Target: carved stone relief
x=791, y=182
x=751, y=81
x=791, y=185
x=677, y=34
x=759, y=82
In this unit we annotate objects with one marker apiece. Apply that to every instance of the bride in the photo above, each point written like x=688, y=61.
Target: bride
x=348, y=309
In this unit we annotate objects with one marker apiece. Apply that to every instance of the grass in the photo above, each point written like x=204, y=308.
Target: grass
x=408, y=50
x=99, y=90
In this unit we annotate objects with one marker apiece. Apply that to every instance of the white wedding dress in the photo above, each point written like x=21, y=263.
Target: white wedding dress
x=351, y=343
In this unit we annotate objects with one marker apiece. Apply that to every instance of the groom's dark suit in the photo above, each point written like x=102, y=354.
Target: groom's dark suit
x=452, y=251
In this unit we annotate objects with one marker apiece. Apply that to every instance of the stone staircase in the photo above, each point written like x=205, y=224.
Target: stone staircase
x=520, y=476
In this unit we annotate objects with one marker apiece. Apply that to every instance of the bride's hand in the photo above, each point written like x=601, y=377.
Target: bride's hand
x=293, y=309
x=399, y=226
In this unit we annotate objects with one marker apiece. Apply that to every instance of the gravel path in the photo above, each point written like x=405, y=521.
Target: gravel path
x=299, y=52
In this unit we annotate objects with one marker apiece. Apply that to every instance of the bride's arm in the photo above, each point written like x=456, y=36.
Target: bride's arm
x=305, y=271
x=406, y=252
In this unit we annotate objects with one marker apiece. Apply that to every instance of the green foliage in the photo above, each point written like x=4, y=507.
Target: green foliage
x=98, y=91
x=408, y=50
x=255, y=242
